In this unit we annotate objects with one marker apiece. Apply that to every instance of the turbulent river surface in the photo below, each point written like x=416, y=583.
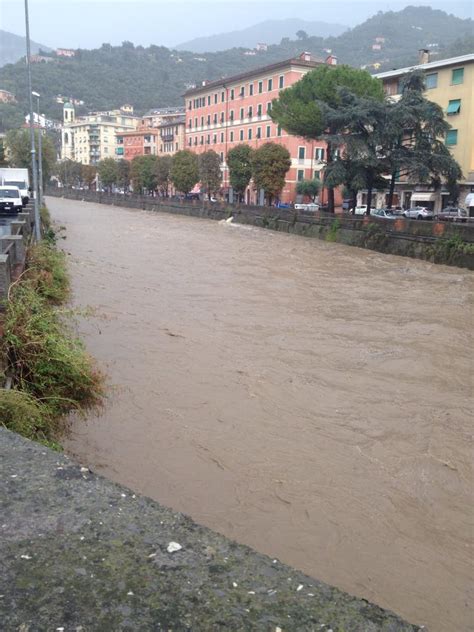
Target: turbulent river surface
x=309, y=399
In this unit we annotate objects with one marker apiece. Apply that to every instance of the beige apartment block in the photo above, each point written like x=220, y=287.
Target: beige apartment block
x=91, y=138
x=450, y=84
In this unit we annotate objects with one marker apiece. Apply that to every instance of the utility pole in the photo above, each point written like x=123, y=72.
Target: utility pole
x=40, y=152
x=32, y=128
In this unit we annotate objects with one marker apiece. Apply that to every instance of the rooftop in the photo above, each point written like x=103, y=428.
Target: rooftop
x=431, y=65
x=301, y=61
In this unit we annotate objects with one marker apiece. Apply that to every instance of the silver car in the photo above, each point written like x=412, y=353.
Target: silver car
x=418, y=212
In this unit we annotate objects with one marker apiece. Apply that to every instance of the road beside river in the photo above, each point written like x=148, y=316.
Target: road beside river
x=308, y=399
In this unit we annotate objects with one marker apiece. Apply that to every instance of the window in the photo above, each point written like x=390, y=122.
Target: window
x=278, y=131
x=259, y=109
x=222, y=156
x=195, y=122
x=241, y=135
x=190, y=142
x=222, y=117
x=301, y=153
x=431, y=81
x=222, y=97
x=281, y=81
x=202, y=121
x=209, y=100
x=259, y=132
x=260, y=87
x=317, y=175
x=208, y=142
x=190, y=105
x=269, y=131
x=452, y=137
x=270, y=85
x=251, y=89
x=208, y=119
x=250, y=111
x=242, y=91
x=457, y=76
x=231, y=115
x=241, y=114
x=232, y=137
x=454, y=107
x=300, y=175
x=319, y=153
x=249, y=133
x=214, y=139
x=232, y=94
x=215, y=119
x=215, y=98
x=269, y=107
x=202, y=140
x=222, y=137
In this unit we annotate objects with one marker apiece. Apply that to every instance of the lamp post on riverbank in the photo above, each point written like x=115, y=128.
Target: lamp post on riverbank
x=40, y=153
x=32, y=128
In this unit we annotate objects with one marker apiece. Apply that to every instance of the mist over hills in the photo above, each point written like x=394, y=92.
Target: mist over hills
x=13, y=47
x=269, y=32
x=156, y=76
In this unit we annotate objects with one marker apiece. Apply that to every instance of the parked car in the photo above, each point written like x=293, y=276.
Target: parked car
x=361, y=209
x=312, y=206
x=346, y=204
x=10, y=200
x=384, y=213
x=453, y=214
x=418, y=212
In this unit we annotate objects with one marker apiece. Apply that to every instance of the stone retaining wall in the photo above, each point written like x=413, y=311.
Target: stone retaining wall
x=439, y=242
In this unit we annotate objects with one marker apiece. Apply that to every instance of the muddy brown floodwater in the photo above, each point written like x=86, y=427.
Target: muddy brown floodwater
x=308, y=399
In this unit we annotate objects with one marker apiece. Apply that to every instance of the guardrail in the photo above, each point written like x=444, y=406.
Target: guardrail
x=13, y=249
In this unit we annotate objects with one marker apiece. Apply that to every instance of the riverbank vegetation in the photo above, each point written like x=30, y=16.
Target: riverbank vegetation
x=49, y=371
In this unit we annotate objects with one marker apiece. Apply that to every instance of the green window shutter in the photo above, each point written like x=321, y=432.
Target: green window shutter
x=458, y=76
x=452, y=137
x=454, y=107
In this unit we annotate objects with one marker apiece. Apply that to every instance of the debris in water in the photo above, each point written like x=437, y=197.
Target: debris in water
x=300, y=587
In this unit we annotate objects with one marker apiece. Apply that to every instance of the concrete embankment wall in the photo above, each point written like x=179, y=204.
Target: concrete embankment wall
x=439, y=242
x=81, y=553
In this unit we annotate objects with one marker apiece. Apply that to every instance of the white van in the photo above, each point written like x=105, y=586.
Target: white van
x=10, y=200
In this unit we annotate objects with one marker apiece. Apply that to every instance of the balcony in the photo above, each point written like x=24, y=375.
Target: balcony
x=167, y=138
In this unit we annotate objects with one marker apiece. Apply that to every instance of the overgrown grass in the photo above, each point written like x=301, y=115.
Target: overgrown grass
x=51, y=372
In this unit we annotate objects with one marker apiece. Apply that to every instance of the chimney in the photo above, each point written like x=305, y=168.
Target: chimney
x=423, y=56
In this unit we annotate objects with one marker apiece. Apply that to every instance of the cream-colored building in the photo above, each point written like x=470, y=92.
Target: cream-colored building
x=93, y=137
x=450, y=84
x=172, y=135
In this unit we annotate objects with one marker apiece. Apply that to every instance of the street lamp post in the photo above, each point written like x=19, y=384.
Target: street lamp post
x=32, y=129
x=40, y=153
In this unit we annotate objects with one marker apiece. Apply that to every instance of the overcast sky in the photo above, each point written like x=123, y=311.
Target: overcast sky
x=88, y=23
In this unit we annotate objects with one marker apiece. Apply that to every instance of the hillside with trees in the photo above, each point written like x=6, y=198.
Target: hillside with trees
x=156, y=76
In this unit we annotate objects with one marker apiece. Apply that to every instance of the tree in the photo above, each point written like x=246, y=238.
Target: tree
x=88, y=175
x=412, y=137
x=143, y=173
x=310, y=107
x=309, y=188
x=184, y=170
x=239, y=160
x=19, y=151
x=69, y=172
x=270, y=164
x=163, y=174
x=123, y=173
x=301, y=35
x=108, y=172
x=210, y=173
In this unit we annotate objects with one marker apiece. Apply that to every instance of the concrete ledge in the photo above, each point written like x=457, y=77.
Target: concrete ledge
x=81, y=553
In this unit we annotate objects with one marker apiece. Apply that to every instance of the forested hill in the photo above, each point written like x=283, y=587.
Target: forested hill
x=156, y=76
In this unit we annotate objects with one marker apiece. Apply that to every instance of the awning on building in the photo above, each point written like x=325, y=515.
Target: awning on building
x=428, y=196
x=469, y=199
x=454, y=106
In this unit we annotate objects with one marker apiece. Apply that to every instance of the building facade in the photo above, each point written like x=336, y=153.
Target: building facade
x=225, y=113
x=165, y=138
x=172, y=135
x=450, y=84
x=93, y=137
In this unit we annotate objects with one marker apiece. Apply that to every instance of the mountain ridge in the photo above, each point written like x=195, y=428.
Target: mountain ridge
x=13, y=47
x=268, y=32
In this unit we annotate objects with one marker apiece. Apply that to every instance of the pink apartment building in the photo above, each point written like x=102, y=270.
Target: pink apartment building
x=222, y=114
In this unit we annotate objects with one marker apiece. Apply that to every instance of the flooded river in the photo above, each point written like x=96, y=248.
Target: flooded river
x=308, y=399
